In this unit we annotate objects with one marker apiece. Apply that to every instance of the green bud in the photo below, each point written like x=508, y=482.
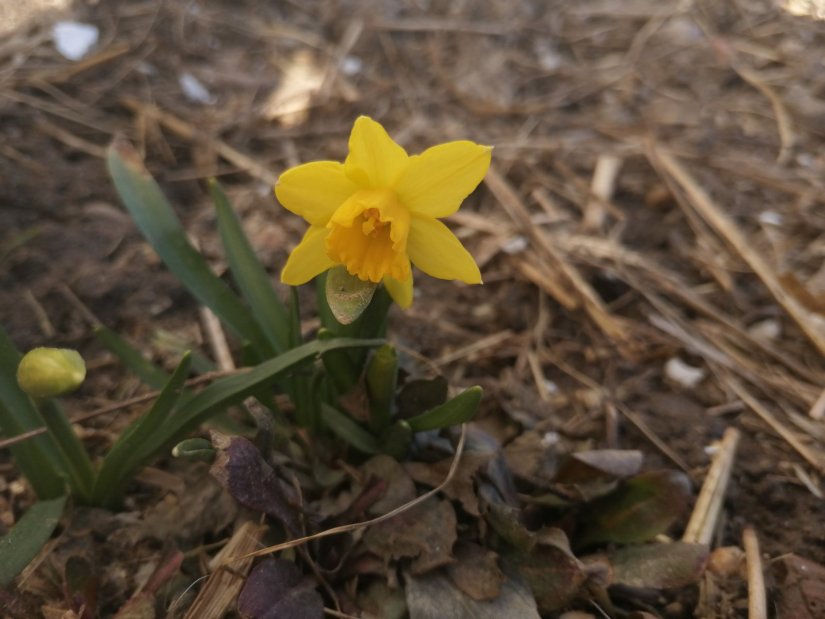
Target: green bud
x=195, y=449
x=347, y=295
x=382, y=374
x=50, y=372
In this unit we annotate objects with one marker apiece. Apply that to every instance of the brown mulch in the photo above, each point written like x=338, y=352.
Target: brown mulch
x=651, y=235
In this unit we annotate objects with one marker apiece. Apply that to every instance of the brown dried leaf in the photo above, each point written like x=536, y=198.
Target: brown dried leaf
x=555, y=575
x=426, y=532
x=659, y=566
x=433, y=596
x=587, y=466
x=801, y=588
x=476, y=571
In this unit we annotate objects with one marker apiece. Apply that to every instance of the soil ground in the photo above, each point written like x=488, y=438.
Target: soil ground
x=656, y=202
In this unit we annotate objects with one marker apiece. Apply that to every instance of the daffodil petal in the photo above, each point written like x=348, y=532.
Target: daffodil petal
x=435, y=182
x=400, y=291
x=314, y=190
x=308, y=259
x=436, y=251
x=374, y=160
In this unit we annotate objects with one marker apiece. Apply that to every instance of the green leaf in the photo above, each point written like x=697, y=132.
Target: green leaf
x=346, y=428
x=381, y=378
x=233, y=389
x=460, y=409
x=128, y=453
x=637, y=511
x=132, y=358
x=38, y=457
x=161, y=227
x=347, y=295
x=24, y=541
x=249, y=275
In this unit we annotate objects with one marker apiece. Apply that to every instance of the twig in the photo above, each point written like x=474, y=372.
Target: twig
x=728, y=230
x=757, y=601
x=602, y=186
x=768, y=417
x=367, y=523
x=708, y=506
x=482, y=344
x=224, y=585
x=189, y=131
x=654, y=438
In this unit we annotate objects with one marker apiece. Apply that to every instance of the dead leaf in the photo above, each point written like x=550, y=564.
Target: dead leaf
x=276, y=589
x=554, y=574
x=659, y=566
x=801, y=588
x=399, y=488
x=433, y=596
x=586, y=466
x=532, y=457
x=380, y=601
x=426, y=532
x=476, y=571
x=240, y=468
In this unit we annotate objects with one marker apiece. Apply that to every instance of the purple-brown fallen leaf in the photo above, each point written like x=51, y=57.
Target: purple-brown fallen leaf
x=276, y=589
x=433, y=596
x=801, y=588
x=240, y=468
x=659, y=566
x=426, y=532
x=476, y=571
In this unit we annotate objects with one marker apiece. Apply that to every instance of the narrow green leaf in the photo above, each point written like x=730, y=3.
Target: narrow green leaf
x=349, y=430
x=24, y=541
x=38, y=457
x=381, y=378
x=161, y=227
x=132, y=358
x=460, y=409
x=128, y=453
x=249, y=275
x=233, y=389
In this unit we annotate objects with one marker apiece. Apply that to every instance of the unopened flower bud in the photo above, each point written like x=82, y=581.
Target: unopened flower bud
x=195, y=449
x=50, y=372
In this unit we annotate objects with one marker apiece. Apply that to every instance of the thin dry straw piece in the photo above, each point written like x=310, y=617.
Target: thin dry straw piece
x=708, y=506
x=813, y=326
x=367, y=523
x=757, y=598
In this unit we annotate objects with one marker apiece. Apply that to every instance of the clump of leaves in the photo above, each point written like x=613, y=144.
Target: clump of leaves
x=483, y=550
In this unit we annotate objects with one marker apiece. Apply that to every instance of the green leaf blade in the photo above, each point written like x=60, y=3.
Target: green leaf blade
x=160, y=226
x=24, y=541
x=460, y=409
x=129, y=452
x=347, y=429
x=249, y=275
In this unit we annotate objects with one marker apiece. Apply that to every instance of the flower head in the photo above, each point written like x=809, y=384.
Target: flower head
x=379, y=211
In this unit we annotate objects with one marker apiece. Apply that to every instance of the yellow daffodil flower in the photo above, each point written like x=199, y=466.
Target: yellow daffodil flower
x=380, y=209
